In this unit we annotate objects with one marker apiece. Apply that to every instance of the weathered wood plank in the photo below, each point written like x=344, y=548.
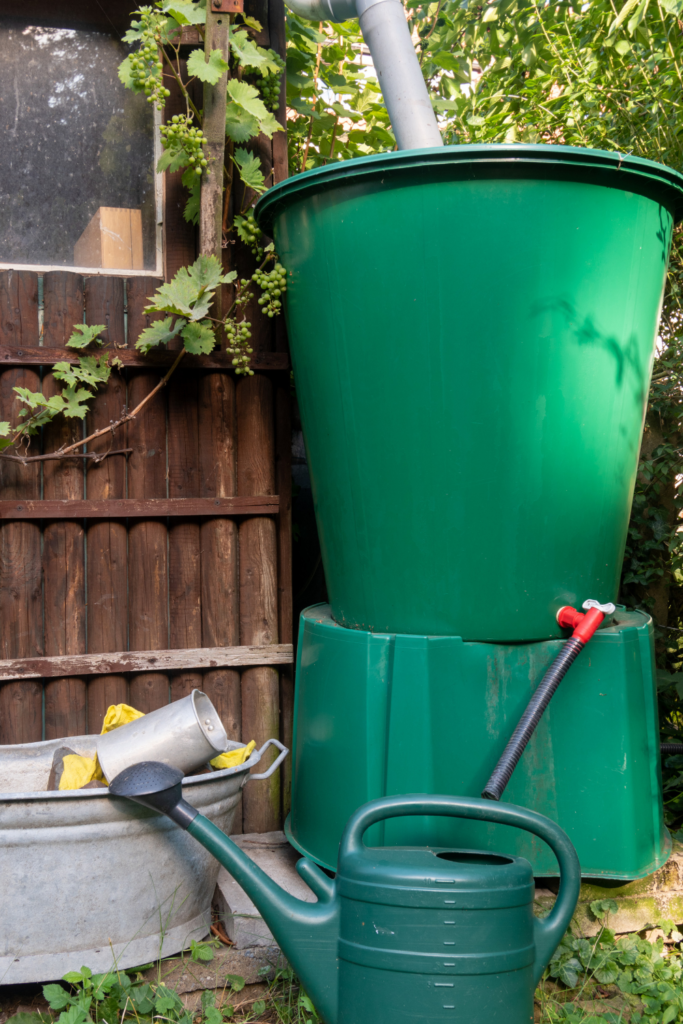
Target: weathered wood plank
x=138, y=508
x=145, y=661
x=63, y=541
x=21, y=610
x=219, y=548
x=185, y=625
x=258, y=589
x=106, y=540
x=148, y=539
x=34, y=356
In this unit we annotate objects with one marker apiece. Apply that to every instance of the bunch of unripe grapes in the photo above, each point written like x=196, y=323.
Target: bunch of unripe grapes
x=269, y=87
x=238, y=346
x=251, y=234
x=180, y=133
x=146, y=67
x=273, y=285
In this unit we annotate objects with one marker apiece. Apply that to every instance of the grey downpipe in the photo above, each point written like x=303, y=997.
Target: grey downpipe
x=385, y=30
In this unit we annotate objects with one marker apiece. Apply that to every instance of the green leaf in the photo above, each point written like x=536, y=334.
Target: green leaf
x=74, y=1015
x=249, y=55
x=252, y=23
x=240, y=125
x=249, y=167
x=259, y=1007
x=4, y=428
x=212, y=1015
x=601, y=908
x=83, y=336
x=201, y=951
x=192, y=182
x=668, y=1016
x=629, y=6
x=270, y=125
x=200, y=340
x=206, y=272
x=210, y=71
x=185, y=13
x=57, y=997
x=91, y=371
x=166, y=1001
x=248, y=98
x=236, y=982
x=75, y=400
x=26, y=1018
x=159, y=333
x=622, y=47
x=180, y=297
x=172, y=160
x=125, y=73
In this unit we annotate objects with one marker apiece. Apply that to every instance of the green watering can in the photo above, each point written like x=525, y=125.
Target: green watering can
x=401, y=934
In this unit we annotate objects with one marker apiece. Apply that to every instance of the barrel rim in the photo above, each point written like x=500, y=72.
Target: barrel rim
x=486, y=160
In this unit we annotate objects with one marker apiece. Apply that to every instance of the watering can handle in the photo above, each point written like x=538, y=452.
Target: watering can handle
x=548, y=931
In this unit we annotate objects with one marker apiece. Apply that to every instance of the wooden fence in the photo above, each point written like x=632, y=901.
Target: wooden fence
x=183, y=544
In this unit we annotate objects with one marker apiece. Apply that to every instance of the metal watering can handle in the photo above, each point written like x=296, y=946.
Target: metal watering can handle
x=547, y=932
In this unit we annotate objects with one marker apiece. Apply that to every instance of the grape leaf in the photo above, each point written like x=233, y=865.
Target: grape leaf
x=199, y=339
x=252, y=23
x=250, y=55
x=249, y=167
x=185, y=13
x=240, y=125
x=210, y=71
x=91, y=371
x=172, y=160
x=159, y=333
x=83, y=335
x=248, y=97
x=4, y=428
x=180, y=296
x=270, y=125
x=206, y=272
x=75, y=402
x=134, y=32
x=125, y=73
x=193, y=184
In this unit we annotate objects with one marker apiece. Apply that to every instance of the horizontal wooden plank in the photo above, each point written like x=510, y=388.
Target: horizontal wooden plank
x=141, y=508
x=144, y=661
x=25, y=356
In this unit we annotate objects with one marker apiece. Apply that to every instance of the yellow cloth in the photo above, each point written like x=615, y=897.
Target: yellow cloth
x=119, y=714
x=233, y=757
x=78, y=771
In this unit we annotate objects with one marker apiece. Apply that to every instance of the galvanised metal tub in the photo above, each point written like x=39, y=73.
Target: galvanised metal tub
x=89, y=879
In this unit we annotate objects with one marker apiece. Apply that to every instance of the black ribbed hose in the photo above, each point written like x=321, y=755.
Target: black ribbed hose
x=495, y=787
x=671, y=748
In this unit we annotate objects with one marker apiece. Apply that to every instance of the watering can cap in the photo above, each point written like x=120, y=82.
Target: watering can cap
x=432, y=876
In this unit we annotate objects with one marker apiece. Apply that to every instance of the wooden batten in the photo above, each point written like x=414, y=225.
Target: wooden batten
x=118, y=662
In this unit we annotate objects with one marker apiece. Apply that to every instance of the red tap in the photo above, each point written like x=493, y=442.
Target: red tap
x=584, y=625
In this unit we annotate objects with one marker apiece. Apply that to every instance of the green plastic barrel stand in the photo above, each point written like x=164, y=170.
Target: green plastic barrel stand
x=385, y=714
x=472, y=331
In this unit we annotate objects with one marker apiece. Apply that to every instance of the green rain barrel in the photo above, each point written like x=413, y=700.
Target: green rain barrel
x=472, y=332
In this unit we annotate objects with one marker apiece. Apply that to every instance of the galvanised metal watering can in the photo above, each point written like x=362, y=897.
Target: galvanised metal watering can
x=401, y=934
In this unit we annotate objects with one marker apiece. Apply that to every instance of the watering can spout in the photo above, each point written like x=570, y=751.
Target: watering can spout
x=307, y=933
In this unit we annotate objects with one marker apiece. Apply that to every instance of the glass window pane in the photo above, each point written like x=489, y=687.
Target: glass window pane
x=77, y=183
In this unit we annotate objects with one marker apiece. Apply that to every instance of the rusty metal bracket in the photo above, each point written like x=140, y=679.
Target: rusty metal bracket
x=227, y=6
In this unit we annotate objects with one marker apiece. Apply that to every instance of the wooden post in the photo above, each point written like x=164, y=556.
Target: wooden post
x=215, y=101
x=63, y=540
x=148, y=539
x=106, y=540
x=258, y=589
x=21, y=611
